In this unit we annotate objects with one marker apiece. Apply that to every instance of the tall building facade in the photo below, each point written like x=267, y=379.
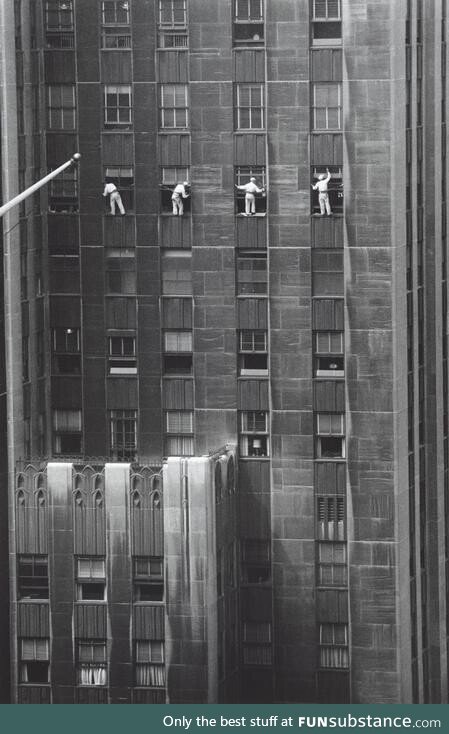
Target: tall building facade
x=226, y=431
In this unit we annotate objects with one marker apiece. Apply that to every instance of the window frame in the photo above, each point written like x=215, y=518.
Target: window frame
x=246, y=356
x=257, y=643
x=64, y=110
x=37, y=659
x=252, y=109
x=253, y=439
x=113, y=121
x=67, y=427
x=123, y=426
x=331, y=642
x=123, y=361
x=332, y=572
x=95, y=577
x=254, y=286
x=179, y=435
x=148, y=580
x=150, y=653
x=170, y=5
x=85, y=665
x=115, y=22
x=316, y=109
x=179, y=112
x=26, y=581
x=255, y=561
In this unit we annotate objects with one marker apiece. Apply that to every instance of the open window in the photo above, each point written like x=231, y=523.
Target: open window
x=90, y=579
x=59, y=24
x=34, y=666
x=326, y=22
x=328, y=358
x=123, y=178
x=123, y=434
x=115, y=18
x=335, y=188
x=330, y=439
x=63, y=194
x=171, y=176
x=253, y=440
x=91, y=663
x=122, y=355
x=248, y=22
x=253, y=355
x=243, y=176
x=66, y=350
x=32, y=577
x=178, y=354
x=67, y=426
x=148, y=579
x=150, y=663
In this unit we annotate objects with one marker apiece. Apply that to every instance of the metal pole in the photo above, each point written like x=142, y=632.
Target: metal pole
x=31, y=189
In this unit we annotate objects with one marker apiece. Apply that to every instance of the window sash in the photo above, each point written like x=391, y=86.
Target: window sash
x=58, y=15
x=172, y=175
x=327, y=106
x=150, y=567
x=179, y=445
x=330, y=424
x=179, y=421
x=123, y=427
x=61, y=106
x=115, y=12
x=250, y=106
x=243, y=174
x=172, y=12
x=253, y=340
x=257, y=632
x=174, y=105
x=92, y=674
x=91, y=568
x=178, y=341
x=326, y=10
x=254, y=421
x=118, y=104
x=67, y=421
x=249, y=10
x=34, y=649
x=329, y=342
x=91, y=652
x=122, y=346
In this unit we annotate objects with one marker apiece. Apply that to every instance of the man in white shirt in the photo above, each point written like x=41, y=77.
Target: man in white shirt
x=110, y=190
x=179, y=193
x=323, y=195
x=250, y=190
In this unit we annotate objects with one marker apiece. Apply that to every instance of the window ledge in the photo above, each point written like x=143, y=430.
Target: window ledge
x=251, y=216
x=254, y=458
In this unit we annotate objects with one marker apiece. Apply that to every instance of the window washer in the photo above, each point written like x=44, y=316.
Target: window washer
x=111, y=190
x=323, y=195
x=250, y=189
x=179, y=193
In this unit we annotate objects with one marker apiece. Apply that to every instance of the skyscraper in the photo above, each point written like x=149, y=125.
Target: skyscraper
x=226, y=428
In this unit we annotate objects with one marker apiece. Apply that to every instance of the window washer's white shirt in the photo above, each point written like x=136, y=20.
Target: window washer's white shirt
x=179, y=190
x=109, y=189
x=322, y=184
x=250, y=188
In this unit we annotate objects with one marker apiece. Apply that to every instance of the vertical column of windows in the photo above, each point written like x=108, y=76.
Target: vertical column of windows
x=326, y=120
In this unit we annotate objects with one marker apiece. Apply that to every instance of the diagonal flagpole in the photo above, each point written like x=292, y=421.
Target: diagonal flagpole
x=31, y=189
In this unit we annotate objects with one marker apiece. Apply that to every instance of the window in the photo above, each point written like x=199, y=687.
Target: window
x=326, y=106
x=63, y=195
x=332, y=568
x=32, y=577
x=122, y=355
x=178, y=357
x=329, y=360
x=330, y=438
x=34, y=660
x=118, y=106
x=331, y=518
x=253, y=357
x=253, y=433
x=173, y=39
x=121, y=275
x=91, y=579
x=59, y=24
x=173, y=13
x=170, y=177
x=334, y=652
x=148, y=579
x=61, y=106
x=249, y=106
x=91, y=662
x=66, y=356
x=150, y=668
x=243, y=175
x=326, y=22
x=179, y=429
x=174, y=111
x=176, y=273
x=115, y=12
x=257, y=643
x=67, y=428
x=252, y=277
x=248, y=22
x=335, y=188
x=123, y=433
x=256, y=566
x=123, y=178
